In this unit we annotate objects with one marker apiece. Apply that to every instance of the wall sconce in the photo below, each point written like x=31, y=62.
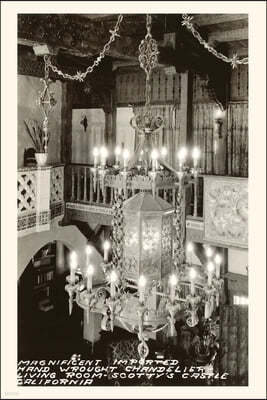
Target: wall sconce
x=219, y=117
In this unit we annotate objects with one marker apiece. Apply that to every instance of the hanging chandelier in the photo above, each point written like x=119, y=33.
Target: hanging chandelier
x=150, y=278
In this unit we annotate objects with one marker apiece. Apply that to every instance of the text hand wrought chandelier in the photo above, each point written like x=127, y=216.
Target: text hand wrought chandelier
x=150, y=283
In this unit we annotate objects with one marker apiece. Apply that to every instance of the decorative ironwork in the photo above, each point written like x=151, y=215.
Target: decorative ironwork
x=145, y=124
x=80, y=76
x=234, y=61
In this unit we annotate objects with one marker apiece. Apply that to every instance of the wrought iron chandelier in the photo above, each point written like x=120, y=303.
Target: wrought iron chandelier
x=149, y=280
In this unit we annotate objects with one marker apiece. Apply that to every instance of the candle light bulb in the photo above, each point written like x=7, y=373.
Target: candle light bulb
x=103, y=151
x=210, y=267
x=190, y=247
x=73, y=260
x=218, y=259
x=88, y=250
x=95, y=152
x=154, y=157
x=209, y=252
x=154, y=154
x=192, y=274
x=113, y=276
x=73, y=266
x=173, y=280
x=90, y=270
x=103, y=155
x=106, y=245
x=182, y=153
x=125, y=156
x=117, y=151
x=142, y=281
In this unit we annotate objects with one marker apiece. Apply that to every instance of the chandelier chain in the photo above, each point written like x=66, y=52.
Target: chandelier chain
x=80, y=76
x=234, y=61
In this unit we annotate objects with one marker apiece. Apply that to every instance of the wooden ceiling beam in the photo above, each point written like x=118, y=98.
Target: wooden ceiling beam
x=229, y=36
x=212, y=19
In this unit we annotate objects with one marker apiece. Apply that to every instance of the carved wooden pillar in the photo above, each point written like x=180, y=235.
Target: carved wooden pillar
x=66, y=133
x=110, y=111
x=220, y=143
x=189, y=125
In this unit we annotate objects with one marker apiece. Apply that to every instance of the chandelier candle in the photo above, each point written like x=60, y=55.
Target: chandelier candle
x=90, y=272
x=117, y=154
x=73, y=266
x=106, y=248
x=113, y=278
x=103, y=156
x=209, y=252
x=190, y=249
x=173, y=283
x=210, y=268
x=182, y=156
x=95, y=155
x=192, y=275
x=218, y=260
x=88, y=250
x=141, y=286
x=154, y=157
x=125, y=156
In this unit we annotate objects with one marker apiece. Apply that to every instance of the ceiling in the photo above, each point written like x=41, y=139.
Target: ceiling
x=85, y=34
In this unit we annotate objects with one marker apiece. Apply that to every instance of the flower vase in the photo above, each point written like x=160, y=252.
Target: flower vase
x=41, y=159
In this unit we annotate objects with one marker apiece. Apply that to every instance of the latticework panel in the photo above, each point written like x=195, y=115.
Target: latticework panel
x=26, y=200
x=57, y=185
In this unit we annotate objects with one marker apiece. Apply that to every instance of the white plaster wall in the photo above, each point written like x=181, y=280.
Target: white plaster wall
x=237, y=261
x=69, y=235
x=83, y=142
x=28, y=91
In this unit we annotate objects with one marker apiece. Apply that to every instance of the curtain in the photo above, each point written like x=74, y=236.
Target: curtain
x=170, y=134
x=237, y=139
x=203, y=134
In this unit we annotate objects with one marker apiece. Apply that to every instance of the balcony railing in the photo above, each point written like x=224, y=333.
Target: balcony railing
x=41, y=200
x=82, y=190
x=40, y=197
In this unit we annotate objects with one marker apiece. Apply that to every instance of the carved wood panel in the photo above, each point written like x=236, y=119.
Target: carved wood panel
x=237, y=139
x=239, y=83
x=234, y=344
x=226, y=211
x=130, y=87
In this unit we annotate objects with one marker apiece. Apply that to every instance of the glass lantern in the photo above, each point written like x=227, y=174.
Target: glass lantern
x=148, y=237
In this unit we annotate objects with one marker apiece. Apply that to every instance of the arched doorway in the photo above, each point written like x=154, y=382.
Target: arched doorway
x=45, y=329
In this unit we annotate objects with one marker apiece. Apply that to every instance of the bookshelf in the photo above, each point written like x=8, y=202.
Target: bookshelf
x=44, y=264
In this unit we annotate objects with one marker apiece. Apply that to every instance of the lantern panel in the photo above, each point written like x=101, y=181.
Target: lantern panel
x=150, y=261
x=166, y=244
x=131, y=246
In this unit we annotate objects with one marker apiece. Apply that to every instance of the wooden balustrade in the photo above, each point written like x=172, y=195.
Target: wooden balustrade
x=83, y=190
